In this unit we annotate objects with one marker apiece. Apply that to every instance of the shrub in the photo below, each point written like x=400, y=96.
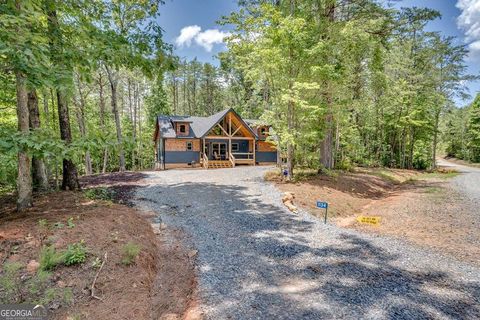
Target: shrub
x=130, y=252
x=49, y=258
x=99, y=194
x=70, y=223
x=76, y=253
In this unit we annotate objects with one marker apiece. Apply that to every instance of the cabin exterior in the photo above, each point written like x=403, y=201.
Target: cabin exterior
x=222, y=140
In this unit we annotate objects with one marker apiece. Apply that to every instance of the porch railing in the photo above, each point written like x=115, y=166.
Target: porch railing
x=243, y=155
x=205, y=160
x=232, y=159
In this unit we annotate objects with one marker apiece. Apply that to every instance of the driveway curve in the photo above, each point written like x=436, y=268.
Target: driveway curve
x=257, y=260
x=467, y=183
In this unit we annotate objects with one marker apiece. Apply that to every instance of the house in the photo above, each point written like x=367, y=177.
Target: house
x=222, y=140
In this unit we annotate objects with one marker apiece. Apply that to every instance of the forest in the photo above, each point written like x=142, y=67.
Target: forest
x=343, y=83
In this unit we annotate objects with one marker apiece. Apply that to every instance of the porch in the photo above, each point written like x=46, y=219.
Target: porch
x=227, y=152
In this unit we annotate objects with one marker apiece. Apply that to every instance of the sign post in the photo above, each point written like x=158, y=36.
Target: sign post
x=323, y=205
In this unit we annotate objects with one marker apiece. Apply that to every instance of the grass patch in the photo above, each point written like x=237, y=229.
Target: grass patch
x=99, y=194
x=385, y=175
x=439, y=174
x=299, y=174
x=130, y=252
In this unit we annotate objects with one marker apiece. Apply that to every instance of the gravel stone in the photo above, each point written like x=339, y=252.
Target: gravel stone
x=257, y=260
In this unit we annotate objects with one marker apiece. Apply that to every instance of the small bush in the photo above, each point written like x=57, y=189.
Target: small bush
x=76, y=253
x=49, y=258
x=130, y=252
x=99, y=194
x=70, y=223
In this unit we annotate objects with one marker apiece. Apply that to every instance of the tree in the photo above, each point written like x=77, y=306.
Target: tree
x=23, y=55
x=39, y=172
x=474, y=130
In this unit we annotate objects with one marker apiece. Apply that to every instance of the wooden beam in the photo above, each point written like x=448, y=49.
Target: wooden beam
x=236, y=131
x=218, y=124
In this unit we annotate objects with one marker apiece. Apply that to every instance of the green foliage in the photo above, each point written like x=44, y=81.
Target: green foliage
x=58, y=225
x=99, y=194
x=49, y=258
x=39, y=283
x=130, y=252
x=75, y=254
x=10, y=282
x=70, y=223
x=96, y=263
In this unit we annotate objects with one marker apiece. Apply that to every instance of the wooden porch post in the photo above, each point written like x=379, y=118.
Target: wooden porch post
x=229, y=133
x=254, y=153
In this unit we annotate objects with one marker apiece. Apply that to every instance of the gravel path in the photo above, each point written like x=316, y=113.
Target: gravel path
x=257, y=260
x=468, y=183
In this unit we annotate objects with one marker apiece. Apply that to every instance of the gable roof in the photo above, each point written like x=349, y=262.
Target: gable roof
x=199, y=126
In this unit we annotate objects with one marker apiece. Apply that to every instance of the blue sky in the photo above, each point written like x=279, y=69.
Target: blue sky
x=190, y=25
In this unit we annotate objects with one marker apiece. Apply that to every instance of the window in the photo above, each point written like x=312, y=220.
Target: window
x=189, y=146
x=235, y=147
x=183, y=128
x=263, y=131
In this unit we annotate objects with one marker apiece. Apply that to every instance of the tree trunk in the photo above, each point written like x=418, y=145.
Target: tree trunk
x=105, y=160
x=326, y=154
x=39, y=173
x=70, y=176
x=102, y=119
x=326, y=145
x=435, y=140
x=24, y=179
x=113, y=86
x=81, y=125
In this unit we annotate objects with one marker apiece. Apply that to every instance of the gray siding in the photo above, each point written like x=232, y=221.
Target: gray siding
x=270, y=156
x=182, y=156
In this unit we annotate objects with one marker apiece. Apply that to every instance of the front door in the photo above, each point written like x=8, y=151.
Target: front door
x=219, y=151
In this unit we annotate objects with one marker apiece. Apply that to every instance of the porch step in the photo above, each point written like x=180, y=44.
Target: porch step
x=215, y=164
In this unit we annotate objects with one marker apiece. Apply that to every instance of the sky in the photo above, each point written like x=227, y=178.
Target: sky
x=191, y=27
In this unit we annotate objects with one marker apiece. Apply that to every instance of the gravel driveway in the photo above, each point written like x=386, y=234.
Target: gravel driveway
x=468, y=183
x=256, y=260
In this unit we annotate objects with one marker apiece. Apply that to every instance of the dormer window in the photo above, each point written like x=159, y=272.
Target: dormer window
x=183, y=128
x=263, y=131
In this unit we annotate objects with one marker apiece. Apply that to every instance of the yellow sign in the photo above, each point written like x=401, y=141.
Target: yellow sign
x=369, y=220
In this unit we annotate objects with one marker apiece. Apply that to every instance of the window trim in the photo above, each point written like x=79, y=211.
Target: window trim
x=237, y=147
x=189, y=146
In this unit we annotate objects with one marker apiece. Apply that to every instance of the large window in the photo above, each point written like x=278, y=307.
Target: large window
x=189, y=146
x=235, y=147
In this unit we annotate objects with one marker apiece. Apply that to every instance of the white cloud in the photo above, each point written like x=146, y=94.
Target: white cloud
x=205, y=39
x=187, y=34
x=469, y=21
